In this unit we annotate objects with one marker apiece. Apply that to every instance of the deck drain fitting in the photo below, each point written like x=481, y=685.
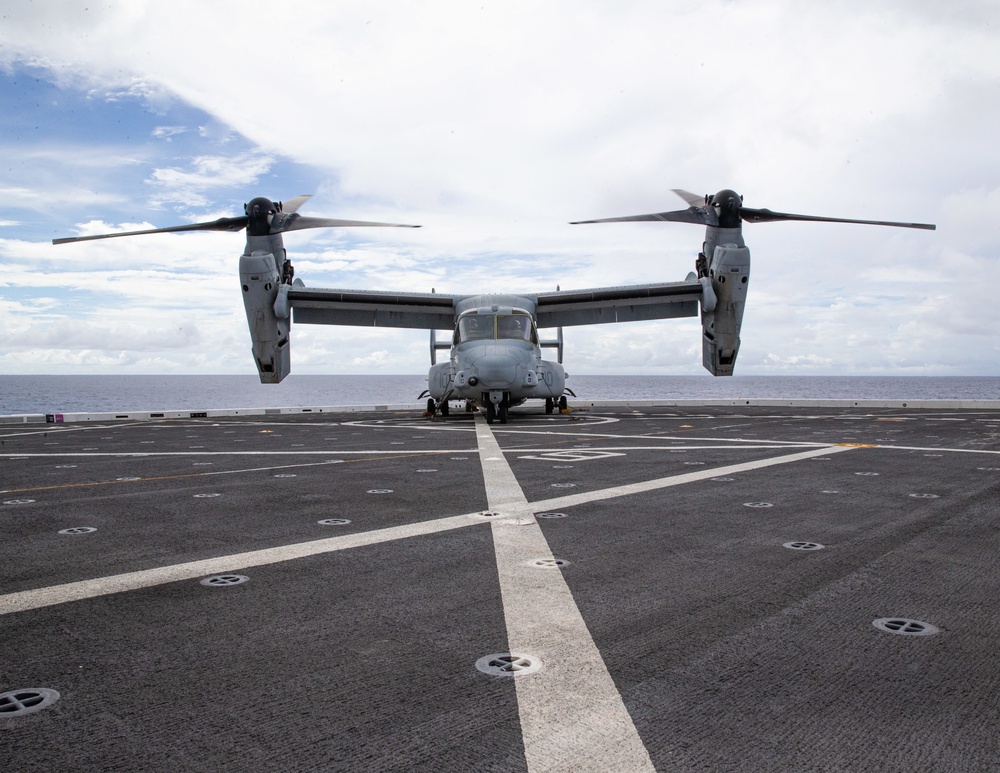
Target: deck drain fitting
x=508, y=664
x=380, y=491
x=548, y=563
x=334, y=522
x=426, y=470
x=550, y=515
x=563, y=485
x=224, y=580
x=78, y=530
x=723, y=480
x=925, y=496
x=803, y=546
x=206, y=496
x=26, y=701
x=286, y=475
x=905, y=626
x=489, y=514
x=19, y=501
x=757, y=504
x=867, y=474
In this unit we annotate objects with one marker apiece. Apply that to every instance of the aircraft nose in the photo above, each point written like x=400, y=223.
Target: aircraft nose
x=496, y=371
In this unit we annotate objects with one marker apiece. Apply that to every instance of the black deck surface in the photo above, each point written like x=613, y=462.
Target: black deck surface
x=729, y=650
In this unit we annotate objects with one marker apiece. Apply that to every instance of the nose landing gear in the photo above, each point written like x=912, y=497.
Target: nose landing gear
x=497, y=410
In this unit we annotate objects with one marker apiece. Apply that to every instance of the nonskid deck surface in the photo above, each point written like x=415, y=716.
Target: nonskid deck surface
x=638, y=566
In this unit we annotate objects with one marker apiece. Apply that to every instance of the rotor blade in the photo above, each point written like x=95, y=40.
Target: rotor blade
x=698, y=215
x=767, y=216
x=692, y=199
x=295, y=222
x=222, y=224
x=292, y=205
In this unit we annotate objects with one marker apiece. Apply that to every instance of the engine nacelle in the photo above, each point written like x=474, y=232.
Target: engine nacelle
x=260, y=280
x=729, y=272
x=439, y=380
x=551, y=380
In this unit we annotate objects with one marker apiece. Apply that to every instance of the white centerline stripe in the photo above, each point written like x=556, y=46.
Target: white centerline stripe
x=119, y=583
x=572, y=716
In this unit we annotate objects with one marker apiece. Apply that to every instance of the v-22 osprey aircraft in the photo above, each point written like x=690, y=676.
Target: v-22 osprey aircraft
x=496, y=350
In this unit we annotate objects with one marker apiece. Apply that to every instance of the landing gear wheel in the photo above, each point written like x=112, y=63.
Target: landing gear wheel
x=549, y=405
x=503, y=411
x=431, y=406
x=444, y=408
x=491, y=413
x=563, y=405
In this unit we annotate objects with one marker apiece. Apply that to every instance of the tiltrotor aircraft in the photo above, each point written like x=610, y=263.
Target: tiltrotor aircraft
x=496, y=360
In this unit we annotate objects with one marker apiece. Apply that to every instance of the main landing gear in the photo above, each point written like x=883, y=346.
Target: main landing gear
x=433, y=407
x=550, y=404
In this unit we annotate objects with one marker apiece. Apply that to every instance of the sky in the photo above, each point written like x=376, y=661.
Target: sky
x=492, y=125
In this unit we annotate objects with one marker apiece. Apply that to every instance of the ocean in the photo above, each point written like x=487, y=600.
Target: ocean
x=70, y=394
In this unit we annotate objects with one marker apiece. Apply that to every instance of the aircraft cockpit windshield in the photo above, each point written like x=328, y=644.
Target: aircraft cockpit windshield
x=514, y=326
x=482, y=327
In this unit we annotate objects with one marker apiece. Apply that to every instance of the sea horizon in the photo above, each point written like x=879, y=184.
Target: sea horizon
x=32, y=394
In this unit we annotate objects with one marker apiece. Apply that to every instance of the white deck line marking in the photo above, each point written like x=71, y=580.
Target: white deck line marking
x=570, y=449
x=275, y=452
x=678, y=480
x=572, y=716
x=938, y=449
x=58, y=594
x=119, y=583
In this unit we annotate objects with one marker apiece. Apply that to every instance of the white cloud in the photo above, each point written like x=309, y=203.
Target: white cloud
x=168, y=132
x=205, y=173
x=494, y=124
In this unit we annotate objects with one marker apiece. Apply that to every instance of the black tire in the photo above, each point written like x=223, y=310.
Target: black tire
x=563, y=405
x=444, y=408
x=431, y=405
x=491, y=412
x=549, y=405
x=503, y=412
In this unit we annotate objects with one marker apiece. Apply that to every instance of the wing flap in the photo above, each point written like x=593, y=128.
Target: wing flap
x=369, y=308
x=633, y=303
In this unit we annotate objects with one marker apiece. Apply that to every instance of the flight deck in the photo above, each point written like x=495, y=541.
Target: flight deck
x=619, y=588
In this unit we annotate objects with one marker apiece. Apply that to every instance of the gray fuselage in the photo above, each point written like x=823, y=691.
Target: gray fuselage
x=495, y=355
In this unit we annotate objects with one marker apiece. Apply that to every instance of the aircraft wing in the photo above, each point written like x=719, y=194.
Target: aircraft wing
x=369, y=308
x=630, y=303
